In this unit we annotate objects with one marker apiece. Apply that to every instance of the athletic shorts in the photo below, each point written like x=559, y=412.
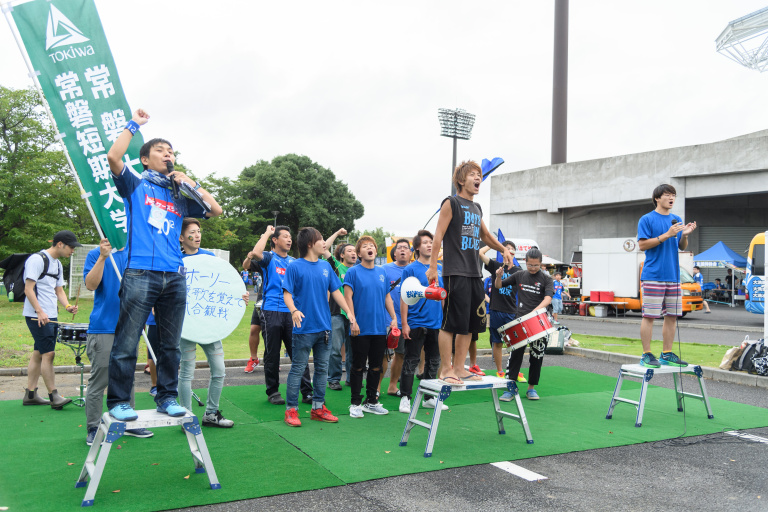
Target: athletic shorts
x=662, y=298
x=45, y=336
x=256, y=316
x=499, y=319
x=464, y=307
x=557, y=306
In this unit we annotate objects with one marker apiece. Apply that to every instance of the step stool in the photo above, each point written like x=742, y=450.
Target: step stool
x=440, y=392
x=636, y=371
x=110, y=430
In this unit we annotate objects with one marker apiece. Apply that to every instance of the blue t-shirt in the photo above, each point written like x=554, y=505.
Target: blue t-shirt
x=309, y=283
x=558, y=285
x=395, y=272
x=699, y=278
x=369, y=287
x=425, y=313
x=153, y=247
x=106, y=302
x=661, y=262
x=274, y=268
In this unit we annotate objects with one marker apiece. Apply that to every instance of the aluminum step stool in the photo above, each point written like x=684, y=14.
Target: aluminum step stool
x=110, y=430
x=636, y=371
x=440, y=392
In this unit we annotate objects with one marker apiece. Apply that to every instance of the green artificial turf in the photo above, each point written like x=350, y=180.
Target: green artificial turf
x=262, y=456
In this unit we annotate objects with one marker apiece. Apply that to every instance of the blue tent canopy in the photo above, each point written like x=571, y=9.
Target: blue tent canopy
x=718, y=256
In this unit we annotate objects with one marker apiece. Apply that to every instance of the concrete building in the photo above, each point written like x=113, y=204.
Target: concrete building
x=723, y=186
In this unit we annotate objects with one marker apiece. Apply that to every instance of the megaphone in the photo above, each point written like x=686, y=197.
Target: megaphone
x=412, y=291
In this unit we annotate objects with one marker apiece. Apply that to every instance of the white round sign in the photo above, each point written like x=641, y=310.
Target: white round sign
x=215, y=302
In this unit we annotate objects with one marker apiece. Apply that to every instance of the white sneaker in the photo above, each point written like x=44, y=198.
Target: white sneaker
x=376, y=408
x=405, y=405
x=430, y=402
x=355, y=411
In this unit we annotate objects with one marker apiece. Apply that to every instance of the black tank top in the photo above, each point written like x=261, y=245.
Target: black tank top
x=461, y=241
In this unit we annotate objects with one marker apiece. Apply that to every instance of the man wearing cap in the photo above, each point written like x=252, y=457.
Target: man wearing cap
x=42, y=287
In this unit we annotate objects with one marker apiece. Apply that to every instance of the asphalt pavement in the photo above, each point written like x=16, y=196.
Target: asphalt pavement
x=708, y=473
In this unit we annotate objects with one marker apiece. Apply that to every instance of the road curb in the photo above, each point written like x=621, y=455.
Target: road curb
x=741, y=378
x=636, y=321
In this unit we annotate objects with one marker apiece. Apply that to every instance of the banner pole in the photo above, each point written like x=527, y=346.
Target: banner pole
x=6, y=8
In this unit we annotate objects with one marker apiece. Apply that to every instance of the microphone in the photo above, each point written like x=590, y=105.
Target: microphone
x=674, y=221
x=174, y=185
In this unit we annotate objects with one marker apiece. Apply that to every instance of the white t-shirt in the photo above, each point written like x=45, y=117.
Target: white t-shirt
x=46, y=287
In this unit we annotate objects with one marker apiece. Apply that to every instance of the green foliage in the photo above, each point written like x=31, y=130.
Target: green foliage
x=38, y=194
x=377, y=234
x=303, y=192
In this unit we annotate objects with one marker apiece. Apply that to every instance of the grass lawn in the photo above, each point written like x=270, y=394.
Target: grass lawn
x=16, y=342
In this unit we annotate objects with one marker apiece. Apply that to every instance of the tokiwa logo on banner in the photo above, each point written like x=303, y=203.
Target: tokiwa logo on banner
x=68, y=49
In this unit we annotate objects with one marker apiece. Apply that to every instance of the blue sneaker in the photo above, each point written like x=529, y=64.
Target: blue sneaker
x=123, y=412
x=671, y=359
x=153, y=391
x=138, y=432
x=508, y=396
x=649, y=361
x=172, y=408
x=531, y=394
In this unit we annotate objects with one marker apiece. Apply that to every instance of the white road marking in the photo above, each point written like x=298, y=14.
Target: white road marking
x=519, y=471
x=748, y=437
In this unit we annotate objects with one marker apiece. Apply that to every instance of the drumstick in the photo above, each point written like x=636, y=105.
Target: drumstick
x=77, y=298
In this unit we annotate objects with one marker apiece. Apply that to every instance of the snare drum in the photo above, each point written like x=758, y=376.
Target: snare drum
x=526, y=329
x=73, y=334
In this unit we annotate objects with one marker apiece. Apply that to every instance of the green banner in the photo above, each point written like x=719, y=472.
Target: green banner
x=70, y=55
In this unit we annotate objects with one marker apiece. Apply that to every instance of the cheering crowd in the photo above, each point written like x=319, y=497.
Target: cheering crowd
x=320, y=303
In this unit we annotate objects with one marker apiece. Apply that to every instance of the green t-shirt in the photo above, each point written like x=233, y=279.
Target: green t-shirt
x=341, y=270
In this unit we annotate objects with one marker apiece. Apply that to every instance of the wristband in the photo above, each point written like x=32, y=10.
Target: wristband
x=132, y=127
x=68, y=306
x=197, y=185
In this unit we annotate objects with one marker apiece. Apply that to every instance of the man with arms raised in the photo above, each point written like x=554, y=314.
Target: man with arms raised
x=276, y=318
x=461, y=226
x=661, y=234
x=343, y=259
x=155, y=275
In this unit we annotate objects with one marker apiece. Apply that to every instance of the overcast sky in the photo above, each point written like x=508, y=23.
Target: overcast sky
x=356, y=85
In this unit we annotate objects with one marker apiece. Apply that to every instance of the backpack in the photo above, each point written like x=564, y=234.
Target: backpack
x=760, y=359
x=754, y=348
x=13, y=278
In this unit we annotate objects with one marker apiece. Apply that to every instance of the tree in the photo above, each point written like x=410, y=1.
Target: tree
x=38, y=194
x=377, y=234
x=302, y=191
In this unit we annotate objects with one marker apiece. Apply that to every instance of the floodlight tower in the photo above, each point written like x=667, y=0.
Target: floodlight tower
x=456, y=124
x=745, y=40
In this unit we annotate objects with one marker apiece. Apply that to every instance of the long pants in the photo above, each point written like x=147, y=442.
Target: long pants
x=536, y=359
x=278, y=328
x=140, y=291
x=319, y=344
x=370, y=350
x=421, y=337
x=98, y=347
x=339, y=337
x=214, y=352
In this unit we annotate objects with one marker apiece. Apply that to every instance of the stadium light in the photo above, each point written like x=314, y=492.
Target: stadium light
x=745, y=40
x=456, y=124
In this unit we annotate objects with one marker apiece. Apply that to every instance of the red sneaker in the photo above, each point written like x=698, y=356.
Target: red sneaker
x=476, y=370
x=292, y=418
x=252, y=363
x=323, y=415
